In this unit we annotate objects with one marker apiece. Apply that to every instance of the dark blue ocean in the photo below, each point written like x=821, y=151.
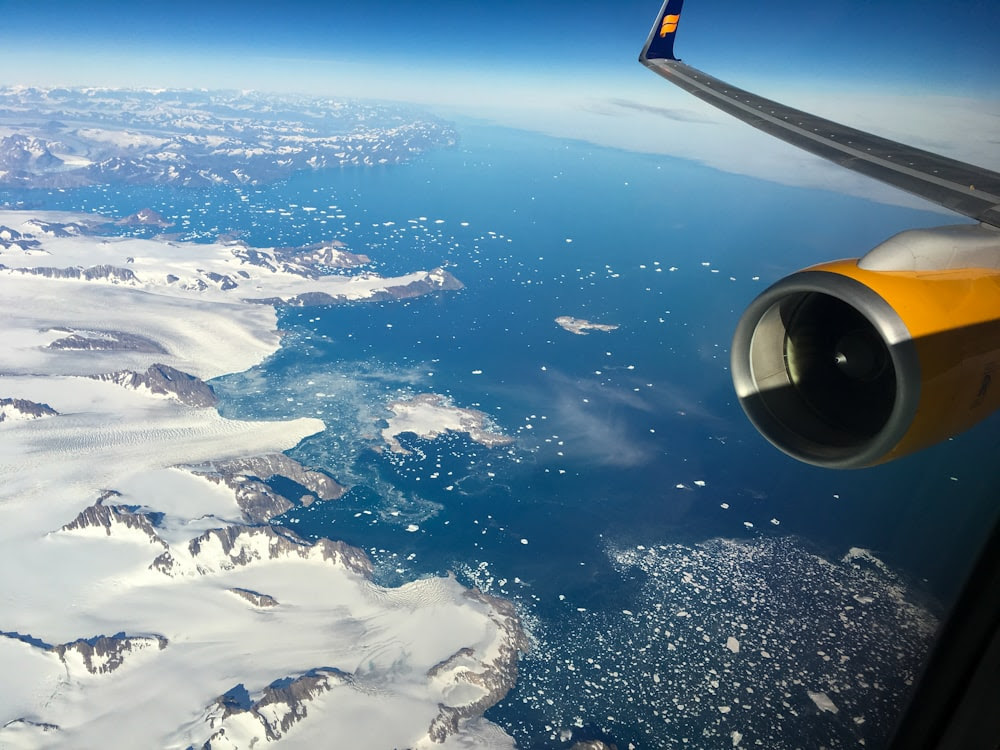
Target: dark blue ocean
x=631, y=458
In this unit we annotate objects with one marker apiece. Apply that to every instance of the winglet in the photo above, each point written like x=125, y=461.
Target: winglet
x=660, y=45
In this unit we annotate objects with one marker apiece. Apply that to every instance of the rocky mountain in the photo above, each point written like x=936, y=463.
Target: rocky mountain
x=166, y=381
x=255, y=598
x=233, y=547
x=16, y=409
x=116, y=520
x=267, y=718
x=104, y=654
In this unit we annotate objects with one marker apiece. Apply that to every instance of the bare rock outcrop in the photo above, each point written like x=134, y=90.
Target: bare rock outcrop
x=255, y=598
x=16, y=409
x=114, y=520
x=106, y=341
x=101, y=654
x=165, y=380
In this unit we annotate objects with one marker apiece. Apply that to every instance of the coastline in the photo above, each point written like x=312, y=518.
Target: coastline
x=95, y=494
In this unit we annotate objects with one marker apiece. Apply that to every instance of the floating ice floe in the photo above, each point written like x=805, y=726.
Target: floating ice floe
x=823, y=702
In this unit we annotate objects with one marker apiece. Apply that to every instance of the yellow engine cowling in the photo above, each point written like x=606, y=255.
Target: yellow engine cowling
x=845, y=367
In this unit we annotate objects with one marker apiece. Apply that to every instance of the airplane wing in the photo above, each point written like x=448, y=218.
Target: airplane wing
x=963, y=188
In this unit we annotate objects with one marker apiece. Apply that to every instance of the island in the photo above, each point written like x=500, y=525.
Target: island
x=582, y=327
x=429, y=415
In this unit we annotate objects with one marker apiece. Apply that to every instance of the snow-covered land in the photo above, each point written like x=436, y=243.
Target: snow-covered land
x=71, y=137
x=145, y=600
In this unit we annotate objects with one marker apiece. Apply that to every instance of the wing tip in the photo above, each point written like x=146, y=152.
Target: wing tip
x=660, y=44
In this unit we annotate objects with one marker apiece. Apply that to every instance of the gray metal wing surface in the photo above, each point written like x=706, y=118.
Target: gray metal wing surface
x=964, y=188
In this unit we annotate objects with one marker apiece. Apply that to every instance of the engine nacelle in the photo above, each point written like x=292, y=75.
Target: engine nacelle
x=846, y=365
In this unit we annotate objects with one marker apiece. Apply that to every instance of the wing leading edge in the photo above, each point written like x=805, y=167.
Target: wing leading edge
x=964, y=188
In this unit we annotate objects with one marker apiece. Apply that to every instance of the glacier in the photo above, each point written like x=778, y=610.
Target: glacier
x=148, y=601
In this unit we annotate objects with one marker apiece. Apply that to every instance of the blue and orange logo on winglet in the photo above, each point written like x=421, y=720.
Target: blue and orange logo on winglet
x=669, y=24
x=660, y=45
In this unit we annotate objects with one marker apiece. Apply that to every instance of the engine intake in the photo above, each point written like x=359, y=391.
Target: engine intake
x=845, y=367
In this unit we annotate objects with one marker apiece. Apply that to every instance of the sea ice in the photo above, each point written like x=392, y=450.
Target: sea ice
x=823, y=702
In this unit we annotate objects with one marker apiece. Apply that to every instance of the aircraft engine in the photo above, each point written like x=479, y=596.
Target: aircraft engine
x=846, y=365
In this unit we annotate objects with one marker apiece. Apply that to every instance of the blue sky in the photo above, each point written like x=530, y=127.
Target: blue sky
x=921, y=71
x=299, y=44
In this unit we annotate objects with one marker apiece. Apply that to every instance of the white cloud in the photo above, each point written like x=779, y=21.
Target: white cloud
x=656, y=118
